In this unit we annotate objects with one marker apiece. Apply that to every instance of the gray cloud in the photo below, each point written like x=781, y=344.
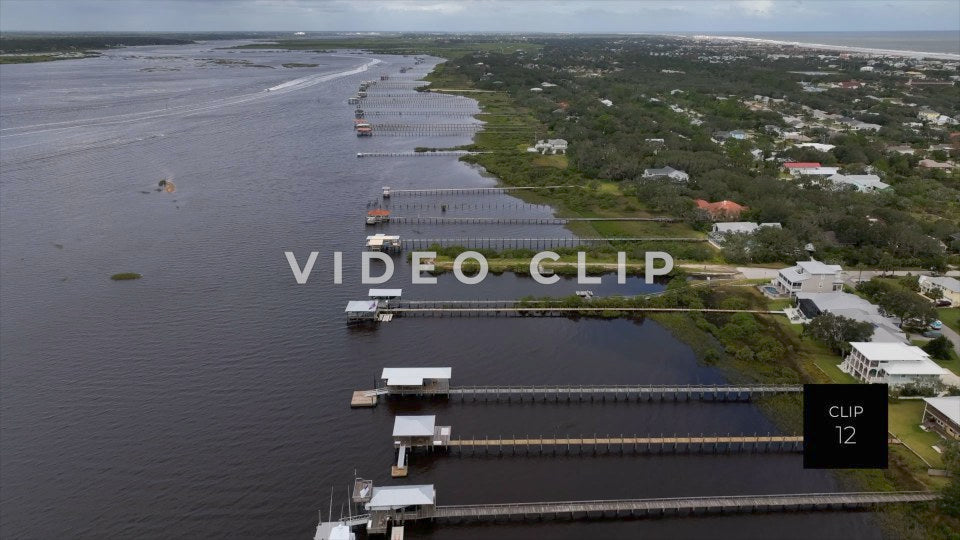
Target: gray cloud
x=482, y=15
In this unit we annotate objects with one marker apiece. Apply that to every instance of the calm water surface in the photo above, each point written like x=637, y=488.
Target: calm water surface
x=210, y=398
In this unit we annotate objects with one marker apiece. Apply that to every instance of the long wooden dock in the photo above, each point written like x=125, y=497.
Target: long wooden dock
x=437, y=153
x=676, y=505
x=640, y=508
x=476, y=190
x=703, y=443
x=568, y=393
x=552, y=311
x=535, y=243
x=443, y=220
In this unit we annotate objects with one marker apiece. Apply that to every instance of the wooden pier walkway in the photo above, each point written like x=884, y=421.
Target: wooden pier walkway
x=475, y=191
x=443, y=220
x=419, y=154
x=552, y=311
x=568, y=393
x=675, y=505
x=719, y=392
x=534, y=243
x=703, y=443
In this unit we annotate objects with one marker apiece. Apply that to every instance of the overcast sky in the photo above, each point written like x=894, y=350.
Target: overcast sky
x=482, y=15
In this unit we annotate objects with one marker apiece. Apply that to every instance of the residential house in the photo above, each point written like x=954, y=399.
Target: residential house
x=932, y=164
x=809, y=276
x=948, y=286
x=809, y=169
x=817, y=146
x=851, y=306
x=722, y=209
x=669, y=172
x=721, y=230
x=901, y=149
x=607, y=102
x=942, y=414
x=894, y=364
x=551, y=146
x=864, y=183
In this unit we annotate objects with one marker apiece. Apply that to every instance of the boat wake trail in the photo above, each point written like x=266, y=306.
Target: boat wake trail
x=181, y=110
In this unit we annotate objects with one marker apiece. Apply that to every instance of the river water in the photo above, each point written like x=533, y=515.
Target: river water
x=211, y=397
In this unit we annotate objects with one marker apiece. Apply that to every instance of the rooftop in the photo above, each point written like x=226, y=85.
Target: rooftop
x=361, y=306
x=413, y=376
x=948, y=283
x=948, y=406
x=414, y=426
x=385, y=293
x=889, y=352
x=391, y=497
x=816, y=267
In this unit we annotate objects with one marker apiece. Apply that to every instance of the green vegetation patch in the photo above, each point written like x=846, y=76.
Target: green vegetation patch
x=124, y=276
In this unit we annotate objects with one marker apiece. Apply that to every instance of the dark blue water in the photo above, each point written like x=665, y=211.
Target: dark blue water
x=210, y=398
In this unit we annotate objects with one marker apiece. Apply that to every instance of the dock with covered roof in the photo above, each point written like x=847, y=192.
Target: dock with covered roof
x=435, y=382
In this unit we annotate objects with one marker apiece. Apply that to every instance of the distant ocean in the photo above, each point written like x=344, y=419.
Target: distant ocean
x=939, y=42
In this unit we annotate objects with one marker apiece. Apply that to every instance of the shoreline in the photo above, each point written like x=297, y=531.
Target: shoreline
x=825, y=46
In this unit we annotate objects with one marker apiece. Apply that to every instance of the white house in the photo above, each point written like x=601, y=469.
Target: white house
x=895, y=364
x=607, y=102
x=809, y=276
x=721, y=230
x=948, y=286
x=864, y=183
x=817, y=146
x=551, y=146
x=667, y=171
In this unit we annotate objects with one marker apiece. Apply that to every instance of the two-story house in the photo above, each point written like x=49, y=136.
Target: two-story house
x=809, y=276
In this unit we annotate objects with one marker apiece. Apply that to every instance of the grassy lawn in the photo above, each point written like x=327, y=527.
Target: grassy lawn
x=950, y=317
x=953, y=364
x=904, y=419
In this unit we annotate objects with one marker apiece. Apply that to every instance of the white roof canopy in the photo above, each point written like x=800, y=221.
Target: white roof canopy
x=414, y=426
x=385, y=293
x=390, y=497
x=413, y=376
x=889, y=352
x=361, y=306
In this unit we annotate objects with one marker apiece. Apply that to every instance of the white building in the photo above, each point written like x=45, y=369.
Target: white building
x=864, y=183
x=895, y=364
x=809, y=276
x=607, y=102
x=817, y=146
x=721, y=230
x=669, y=172
x=551, y=146
x=948, y=286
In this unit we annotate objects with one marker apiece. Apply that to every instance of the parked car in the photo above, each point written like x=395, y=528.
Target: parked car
x=943, y=302
x=936, y=325
x=932, y=334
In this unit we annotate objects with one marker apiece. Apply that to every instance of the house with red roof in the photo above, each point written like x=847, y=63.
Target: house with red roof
x=722, y=209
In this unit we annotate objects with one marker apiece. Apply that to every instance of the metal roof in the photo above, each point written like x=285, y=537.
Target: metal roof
x=391, y=497
x=414, y=426
x=887, y=352
x=413, y=376
x=361, y=306
x=948, y=406
x=385, y=293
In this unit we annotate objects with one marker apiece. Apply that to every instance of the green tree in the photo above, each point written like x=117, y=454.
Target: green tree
x=938, y=348
x=950, y=497
x=837, y=331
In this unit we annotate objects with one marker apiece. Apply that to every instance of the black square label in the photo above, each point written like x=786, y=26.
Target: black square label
x=845, y=426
